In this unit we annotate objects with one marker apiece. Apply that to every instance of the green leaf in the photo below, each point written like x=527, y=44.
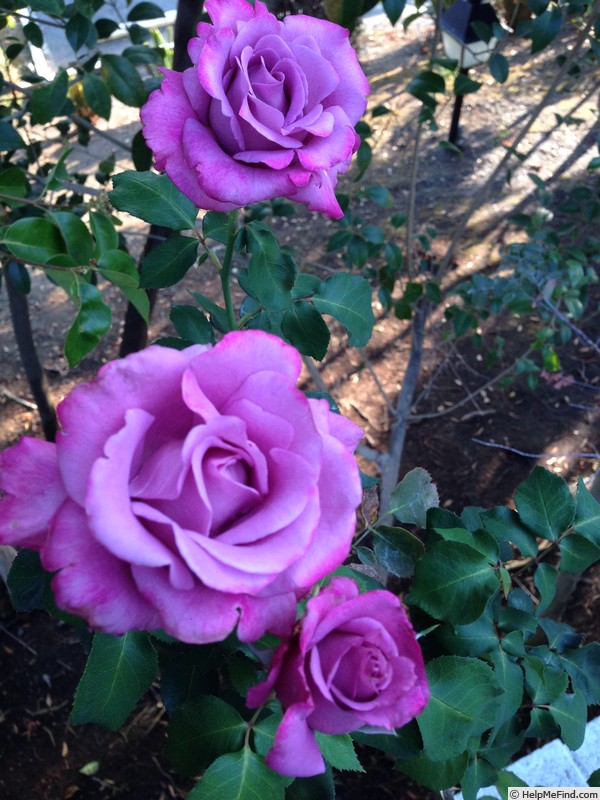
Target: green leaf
x=215, y=225
x=167, y=263
x=559, y=635
x=33, y=239
x=77, y=237
x=119, y=268
x=436, y=775
x=541, y=725
x=80, y=31
x=413, y=497
x=347, y=298
x=577, y=553
x=453, y=582
x=472, y=640
x=499, y=67
x=510, y=678
x=271, y=272
x=545, y=28
x=306, y=330
x=583, y=665
x=58, y=172
x=191, y=324
x=397, y=550
x=123, y=80
x=478, y=774
x=13, y=184
x=141, y=153
x=426, y=82
x=47, y=101
x=104, y=232
x=242, y=672
x=545, y=503
x=10, y=138
x=305, y=284
x=202, y=730
x=465, y=699
x=394, y=9
x=145, y=11
x=505, y=526
x=105, y=27
x=217, y=314
x=89, y=326
x=594, y=779
x=403, y=743
x=264, y=732
x=319, y=787
x=545, y=581
x=544, y=684
x=118, y=672
x=338, y=751
x=505, y=780
x=153, y=198
x=186, y=672
x=28, y=582
x=33, y=34
x=96, y=95
x=570, y=714
x=239, y=776
x=380, y=195
x=465, y=85
x=587, y=514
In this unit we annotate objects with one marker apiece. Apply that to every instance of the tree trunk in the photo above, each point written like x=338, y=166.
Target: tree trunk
x=19, y=312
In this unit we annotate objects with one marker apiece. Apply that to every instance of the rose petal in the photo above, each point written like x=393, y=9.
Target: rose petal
x=351, y=92
x=198, y=615
x=224, y=179
x=238, y=356
x=225, y=13
x=295, y=750
x=119, y=385
x=33, y=492
x=91, y=582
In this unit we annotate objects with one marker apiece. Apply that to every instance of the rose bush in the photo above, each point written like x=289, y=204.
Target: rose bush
x=187, y=490
x=267, y=110
x=353, y=662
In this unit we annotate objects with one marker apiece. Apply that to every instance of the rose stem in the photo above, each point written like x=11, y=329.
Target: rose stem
x=224, y=273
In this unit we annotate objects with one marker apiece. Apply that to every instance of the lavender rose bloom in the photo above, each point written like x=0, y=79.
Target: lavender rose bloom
x=191, y=491
x=353, y=662
x=267, y=110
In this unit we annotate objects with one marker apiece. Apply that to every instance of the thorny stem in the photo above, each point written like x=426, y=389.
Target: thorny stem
x=565, y=320
x=77, y=269
x=471, y=395
x=533, y=455
x=391, y=467
x=225, y=268
x=250, y=725
x=382, y=392
x=81, y=121
x=38, y=21
x=412, y=198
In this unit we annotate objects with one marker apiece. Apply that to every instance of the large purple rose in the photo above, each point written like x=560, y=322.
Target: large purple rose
x=191, y=491
x=268, y=110
x=353, y=662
